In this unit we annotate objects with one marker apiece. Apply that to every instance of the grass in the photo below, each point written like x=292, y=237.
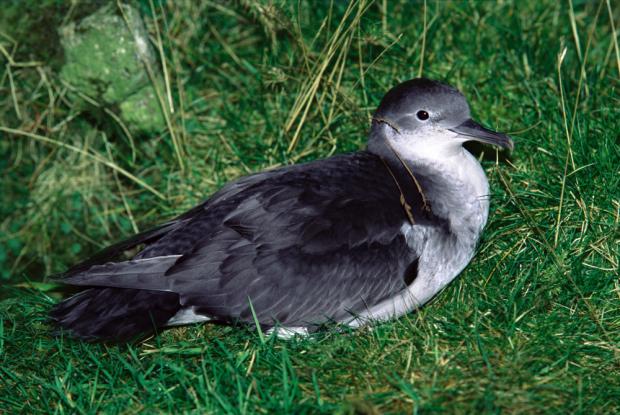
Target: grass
x=531, y=326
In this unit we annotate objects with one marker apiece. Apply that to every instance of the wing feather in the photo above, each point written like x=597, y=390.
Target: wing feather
x=304, y=244
x=303, y=249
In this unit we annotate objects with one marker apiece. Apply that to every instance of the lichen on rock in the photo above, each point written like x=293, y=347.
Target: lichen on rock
x=142, y=112
x=106, y=59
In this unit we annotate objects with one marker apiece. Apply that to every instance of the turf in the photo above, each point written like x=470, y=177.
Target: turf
x=531, y=326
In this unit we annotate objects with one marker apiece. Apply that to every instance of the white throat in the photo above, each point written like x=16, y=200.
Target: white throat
x=464, y=190
x=443, y=152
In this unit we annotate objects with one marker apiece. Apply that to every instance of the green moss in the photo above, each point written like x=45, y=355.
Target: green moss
x=106, y=55
x=142, y=112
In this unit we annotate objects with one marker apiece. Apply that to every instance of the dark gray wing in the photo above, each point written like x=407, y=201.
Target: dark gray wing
x=173, y=237
x=306, y=244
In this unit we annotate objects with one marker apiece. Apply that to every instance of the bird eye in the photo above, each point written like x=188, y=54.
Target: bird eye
x=422, y=115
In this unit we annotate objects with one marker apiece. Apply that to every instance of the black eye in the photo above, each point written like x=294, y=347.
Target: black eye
x=422, y=115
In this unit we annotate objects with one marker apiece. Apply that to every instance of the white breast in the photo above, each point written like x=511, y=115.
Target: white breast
x=472, y=185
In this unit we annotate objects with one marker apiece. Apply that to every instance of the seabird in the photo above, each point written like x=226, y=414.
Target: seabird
x=351, y=239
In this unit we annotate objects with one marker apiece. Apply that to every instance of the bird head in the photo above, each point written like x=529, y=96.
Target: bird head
x=422, y=118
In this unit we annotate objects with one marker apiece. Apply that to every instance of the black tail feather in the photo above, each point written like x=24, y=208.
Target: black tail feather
x=115, y=250
x=114, y=314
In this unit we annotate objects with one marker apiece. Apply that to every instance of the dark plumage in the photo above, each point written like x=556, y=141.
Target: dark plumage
x=352, y=238
x=294, y=241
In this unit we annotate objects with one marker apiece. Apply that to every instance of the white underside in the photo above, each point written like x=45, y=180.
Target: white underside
x=287, y=333
x=187, y=316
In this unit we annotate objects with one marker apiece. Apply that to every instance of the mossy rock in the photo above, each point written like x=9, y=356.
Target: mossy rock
x=142, y=112
x=106, y=56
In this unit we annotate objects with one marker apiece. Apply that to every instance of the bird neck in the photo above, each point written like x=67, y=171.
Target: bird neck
x=452, y=180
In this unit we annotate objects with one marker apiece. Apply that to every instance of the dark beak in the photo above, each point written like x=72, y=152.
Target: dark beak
x=472, y=129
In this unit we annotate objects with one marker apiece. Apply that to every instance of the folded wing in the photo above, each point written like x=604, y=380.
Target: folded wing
x=298, y=246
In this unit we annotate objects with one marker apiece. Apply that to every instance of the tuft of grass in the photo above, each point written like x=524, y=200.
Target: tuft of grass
x=531, y=326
